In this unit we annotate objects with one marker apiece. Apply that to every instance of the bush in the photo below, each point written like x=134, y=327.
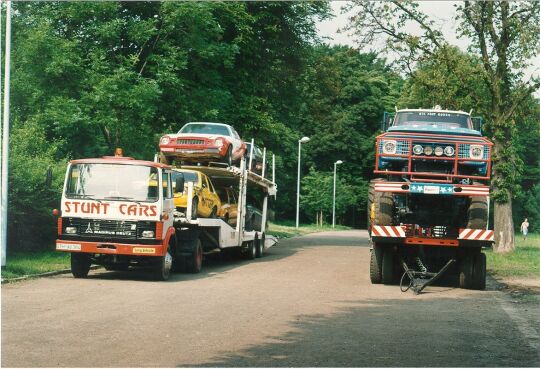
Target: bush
x=31, y=224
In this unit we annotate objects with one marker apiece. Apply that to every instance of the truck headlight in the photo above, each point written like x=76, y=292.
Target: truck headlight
x=71, y=230
x=476, y=152
x=418, y=149
x=147, y=234
x=164, y=140
x=439, y=151
x=428, y=150
x=389, y=146
x=449, y=151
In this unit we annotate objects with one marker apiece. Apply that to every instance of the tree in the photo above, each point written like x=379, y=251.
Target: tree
x=503, y=34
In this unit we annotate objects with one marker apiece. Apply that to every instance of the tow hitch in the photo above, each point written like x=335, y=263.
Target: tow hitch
x=418, y=280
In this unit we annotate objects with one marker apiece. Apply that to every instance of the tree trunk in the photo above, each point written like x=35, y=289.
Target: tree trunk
x=503, y=227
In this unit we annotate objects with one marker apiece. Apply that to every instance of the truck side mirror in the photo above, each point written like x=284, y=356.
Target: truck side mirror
x=387, y=121
x=477, y=122
x=179, y=183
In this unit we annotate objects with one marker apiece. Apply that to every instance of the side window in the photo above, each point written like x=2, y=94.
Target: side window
x=235, y=134
x=233, y=197
x=211, y=186
x=166, y=185
x=204, y=182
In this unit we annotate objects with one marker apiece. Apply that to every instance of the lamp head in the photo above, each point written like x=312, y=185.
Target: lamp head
x=339, y=162
x=304, y=139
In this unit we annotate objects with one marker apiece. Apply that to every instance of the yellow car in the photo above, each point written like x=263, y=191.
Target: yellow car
x=206, y=202
x=229, y=205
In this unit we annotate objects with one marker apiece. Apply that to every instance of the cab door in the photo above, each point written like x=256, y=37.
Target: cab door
x=168, y=200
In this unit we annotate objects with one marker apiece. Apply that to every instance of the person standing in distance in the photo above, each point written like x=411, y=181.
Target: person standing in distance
x=525, y=228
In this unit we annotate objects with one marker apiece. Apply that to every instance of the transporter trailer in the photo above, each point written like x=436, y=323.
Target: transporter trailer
x=118, y=212
x=428, y=212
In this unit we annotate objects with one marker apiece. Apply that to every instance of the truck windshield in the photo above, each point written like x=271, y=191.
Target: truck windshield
x=113, y=182
x=203, y=128
x=432, y=118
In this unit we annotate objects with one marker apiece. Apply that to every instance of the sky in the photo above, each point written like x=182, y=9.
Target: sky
x=442, y=12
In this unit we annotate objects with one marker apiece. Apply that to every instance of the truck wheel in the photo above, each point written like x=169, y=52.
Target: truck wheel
x=251, y=251
x=375, y=265
x=388, y=266
x=466, y=272
x=162, y=267
x=380, y=206
x=259, y=249
x=477, y=215
x=194, y=262
x=479, y=272
x=80, y=264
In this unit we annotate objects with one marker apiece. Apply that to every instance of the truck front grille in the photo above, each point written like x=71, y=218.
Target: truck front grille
x=189, y=141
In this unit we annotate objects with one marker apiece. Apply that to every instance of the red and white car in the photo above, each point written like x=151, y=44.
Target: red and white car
x=203, y=142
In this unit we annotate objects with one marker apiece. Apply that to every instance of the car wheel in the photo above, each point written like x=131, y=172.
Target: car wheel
x=228, y=157
x=194, y=206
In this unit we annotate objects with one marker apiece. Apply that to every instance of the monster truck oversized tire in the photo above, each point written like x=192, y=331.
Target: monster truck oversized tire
x=477, y=215
x=375, y=264
x=383, y=205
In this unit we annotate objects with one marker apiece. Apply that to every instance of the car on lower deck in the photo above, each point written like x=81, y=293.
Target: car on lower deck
x=205, y=201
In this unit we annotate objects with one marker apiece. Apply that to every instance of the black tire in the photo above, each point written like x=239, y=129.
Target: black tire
x=195, y=260
x=375, y=265
x=251, y=251
x=162, y=267
x=466, y=271
x=259, y=246
x=479, y=272
x=380, y=206
x=477, y=214
x=227, y=159
x=388, y=266
x=80, y=264
x=194, y=206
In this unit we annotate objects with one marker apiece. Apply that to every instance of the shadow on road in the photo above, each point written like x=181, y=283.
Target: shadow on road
x=217, y=262
x=439, y=332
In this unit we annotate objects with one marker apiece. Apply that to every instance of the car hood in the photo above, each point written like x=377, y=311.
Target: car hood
x=195, y=135
x=437, y=130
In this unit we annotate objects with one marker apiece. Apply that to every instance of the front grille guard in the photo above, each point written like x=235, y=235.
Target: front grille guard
x=404, y=152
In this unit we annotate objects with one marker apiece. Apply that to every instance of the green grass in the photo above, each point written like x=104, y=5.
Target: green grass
x=288, y=229
x=29, y=263
x=523, y=262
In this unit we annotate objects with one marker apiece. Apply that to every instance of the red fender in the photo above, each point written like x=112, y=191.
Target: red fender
x=170, y=232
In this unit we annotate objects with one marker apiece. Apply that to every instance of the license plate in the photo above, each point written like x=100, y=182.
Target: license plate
x=431, y=189
x=144, y=250
x=187, y=151
x=68, y=246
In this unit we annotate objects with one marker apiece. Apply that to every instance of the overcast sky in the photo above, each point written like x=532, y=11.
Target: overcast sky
x=442, y=12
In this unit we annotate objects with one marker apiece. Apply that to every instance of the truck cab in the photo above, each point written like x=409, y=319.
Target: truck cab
x=117, y=212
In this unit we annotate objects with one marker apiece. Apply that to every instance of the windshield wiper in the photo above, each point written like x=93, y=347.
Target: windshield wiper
x=122, y=198
x=84, y=196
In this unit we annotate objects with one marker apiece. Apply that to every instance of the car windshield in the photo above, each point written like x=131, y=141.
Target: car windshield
x=113, y=182
x=432, y=119
x=205, y=128
x=188, y=177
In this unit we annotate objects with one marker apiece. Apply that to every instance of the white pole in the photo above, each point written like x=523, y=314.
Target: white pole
x=264, y=163
x=334, y=196
x=251, y=151
x=334, y=199
x=5, y=134
x=298, y=188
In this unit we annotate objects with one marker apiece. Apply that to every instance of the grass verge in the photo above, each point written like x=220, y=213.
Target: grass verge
x=288, y=229
x=20, y=264
x=523, y=262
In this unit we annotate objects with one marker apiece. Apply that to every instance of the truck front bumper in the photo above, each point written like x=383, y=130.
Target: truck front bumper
x=114, y=248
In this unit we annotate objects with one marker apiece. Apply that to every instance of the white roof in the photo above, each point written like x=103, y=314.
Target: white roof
x=433, y=110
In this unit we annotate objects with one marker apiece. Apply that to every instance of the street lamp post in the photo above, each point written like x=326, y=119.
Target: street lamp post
x=300, y=142
x=334, y=201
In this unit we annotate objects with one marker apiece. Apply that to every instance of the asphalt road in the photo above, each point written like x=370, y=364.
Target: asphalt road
x=307, y=302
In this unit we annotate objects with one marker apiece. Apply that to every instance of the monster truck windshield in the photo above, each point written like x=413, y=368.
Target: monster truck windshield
x=432, y=119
